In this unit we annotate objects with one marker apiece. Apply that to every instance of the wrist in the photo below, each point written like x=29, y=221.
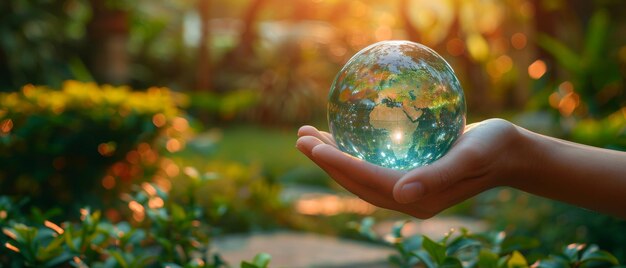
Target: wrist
x=523, y=159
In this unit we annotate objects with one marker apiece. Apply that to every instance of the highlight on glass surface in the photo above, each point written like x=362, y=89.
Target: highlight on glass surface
x=397, y=104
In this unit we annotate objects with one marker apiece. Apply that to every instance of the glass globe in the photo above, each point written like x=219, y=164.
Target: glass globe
x=397, y=104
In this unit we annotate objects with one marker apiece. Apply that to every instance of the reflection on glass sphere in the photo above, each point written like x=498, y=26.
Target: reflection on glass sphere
x=396, y=104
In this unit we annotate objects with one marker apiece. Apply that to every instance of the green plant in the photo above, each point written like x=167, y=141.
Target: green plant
x=39, y=40
x=163, y=234
x=493, y=249
x=55, y=145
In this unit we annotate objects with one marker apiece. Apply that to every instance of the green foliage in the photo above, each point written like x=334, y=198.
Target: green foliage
x=38, y=41
x=234, y=196
x=169, y=235
x=55, y=146
x=227, y=106
x=486, y=250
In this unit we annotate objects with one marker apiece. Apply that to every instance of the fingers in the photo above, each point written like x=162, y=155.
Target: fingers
x=456, y=165
x=321, y=135
x=373, y=176
x=377, y=185
x=307, y=144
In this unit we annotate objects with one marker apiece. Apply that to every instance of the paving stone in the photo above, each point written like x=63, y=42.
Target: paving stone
x=294, y=250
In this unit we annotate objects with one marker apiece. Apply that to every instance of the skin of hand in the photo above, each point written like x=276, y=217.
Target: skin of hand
x=488, y=154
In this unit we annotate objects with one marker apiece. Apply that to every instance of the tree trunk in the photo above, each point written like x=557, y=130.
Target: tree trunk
x=107, y=36
x=203, y=71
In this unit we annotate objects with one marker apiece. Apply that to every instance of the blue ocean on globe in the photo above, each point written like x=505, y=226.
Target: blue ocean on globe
x=397, y=104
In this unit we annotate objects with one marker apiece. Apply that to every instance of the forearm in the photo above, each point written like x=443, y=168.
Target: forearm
x=587, y=176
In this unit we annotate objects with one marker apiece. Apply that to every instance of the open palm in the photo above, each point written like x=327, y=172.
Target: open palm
x=474, y=164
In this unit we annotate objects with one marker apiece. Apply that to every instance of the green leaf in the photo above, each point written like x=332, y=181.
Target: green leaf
x=487, y=259
x=563, y=54
x=460, y=244
x=553, y=263
x=511, y=244
x=573, y=252
x=365, y=228
x=596, y=36
x=57, y=261
x=424, y=258
x=451, y=262
x=599, y=256
x=396, y=230
x=436, y=250
x=516, y=260
x=119, y=258
x=412, y=243
x=246, y=264
x=395, y=260
x=69, y=239
x=178, y=213
x=262, y=260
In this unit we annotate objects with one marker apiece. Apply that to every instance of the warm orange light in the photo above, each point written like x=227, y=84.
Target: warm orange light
x=6, y=126
x=54, y=227
x=159, y=120
x=133, y=157
x=11, y=247
x=455, y=46
x=143, y=147
x=537, y=69
x=554, y=100
x=518, y=40
x=135, y=206
x=191, y=172
x=9, y=233
x=568, y=104
x=83, y=213
x=172, y=170
x=504, y=63
x=180, y=124
x=173, y=145
x=328, y=205
x=526, y=9
x=149, y=189
x=155, y=202
x=108, y=182
x=106, y=149
x=162, y=182
x=383, y=33
x=3, y=214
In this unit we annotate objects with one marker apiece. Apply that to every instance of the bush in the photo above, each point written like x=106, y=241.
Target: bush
x=236, y=197
x=492, y=249
x=56, y=145
x=168, y=235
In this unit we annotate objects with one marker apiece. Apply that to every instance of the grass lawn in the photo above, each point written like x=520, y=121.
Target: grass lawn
x=270, y=147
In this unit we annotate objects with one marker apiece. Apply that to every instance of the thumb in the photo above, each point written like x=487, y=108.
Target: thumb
x=433, y=178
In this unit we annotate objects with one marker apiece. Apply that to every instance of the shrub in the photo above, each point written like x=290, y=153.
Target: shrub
x=492, y=249
x=168, y=235
x=55, y=145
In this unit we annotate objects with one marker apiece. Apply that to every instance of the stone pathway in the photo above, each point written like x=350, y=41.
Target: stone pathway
x=296, y=249
x=302, y=250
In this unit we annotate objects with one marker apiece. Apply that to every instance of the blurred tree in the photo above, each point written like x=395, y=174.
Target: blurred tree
x=203, y=72
x=107, y=36
x=39, y=40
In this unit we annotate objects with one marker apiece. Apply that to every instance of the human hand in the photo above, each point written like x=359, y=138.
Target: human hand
x=481, y=159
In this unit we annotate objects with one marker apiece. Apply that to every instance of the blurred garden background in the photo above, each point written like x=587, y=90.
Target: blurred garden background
x=175, y=121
